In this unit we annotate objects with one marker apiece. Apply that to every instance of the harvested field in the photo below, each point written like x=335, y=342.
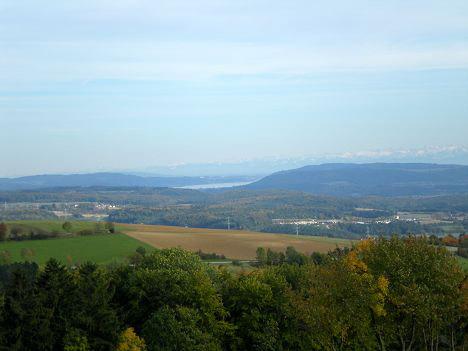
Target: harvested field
x=232, y=244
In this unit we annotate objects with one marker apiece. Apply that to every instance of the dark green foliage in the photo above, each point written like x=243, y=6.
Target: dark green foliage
x=261, y=256
x=110, y=227
x=178, y=329
x=24, y=325
x=141, y=250
x=209, y=256
x=67, y=226
x=5, y=257
x=397, y=294
x=168, y=278
x=3, y=231
x=97, y=316
x=295, y=257
x=40, y=312
x=27, y=269
x=318, y=258
x=59, y=292
x=85, y=232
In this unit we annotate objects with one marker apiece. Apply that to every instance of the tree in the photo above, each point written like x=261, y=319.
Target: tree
x=5, y=257
x=261, y=256
x=423, y=290
x=110, y=227
x=75, y=340
x=178, y=329
x=335, y=308
x=3, y=232
x=274, y=258
x=295, y=257
x=16, y=232
x=67, y=226
x=171, y=277
x=95, y=314
x=25, y=322
x=57, y=289
x=256, y=307
x=27, y=254
x=129, y=341
x=141, y=250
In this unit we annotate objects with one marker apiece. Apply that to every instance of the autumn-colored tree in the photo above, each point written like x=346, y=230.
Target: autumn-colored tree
x=423, y=290
x=450, y=240
x=339, y=305
x=129, y=341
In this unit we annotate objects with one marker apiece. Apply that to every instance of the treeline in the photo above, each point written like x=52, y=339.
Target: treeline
x=306, y=204
x=26, y=214
x=381, y=295
x=260, y=219
x=355, y=230
x=116, y=195
x=19, y=232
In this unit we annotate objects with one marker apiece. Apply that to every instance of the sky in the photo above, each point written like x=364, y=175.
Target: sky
x=90, y=85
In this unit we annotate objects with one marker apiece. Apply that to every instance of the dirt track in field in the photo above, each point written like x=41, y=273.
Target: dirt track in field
x=233, y=244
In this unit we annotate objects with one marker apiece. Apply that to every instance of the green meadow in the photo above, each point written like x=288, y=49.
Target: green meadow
x=101, y=249
x=463, y=262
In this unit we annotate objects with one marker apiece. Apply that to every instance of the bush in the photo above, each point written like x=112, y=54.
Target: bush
x=85, y=232
x=110, y=227
x=209, y=256
x=67, y=226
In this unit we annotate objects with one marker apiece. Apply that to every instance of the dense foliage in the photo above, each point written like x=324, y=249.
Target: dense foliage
x=396, y=294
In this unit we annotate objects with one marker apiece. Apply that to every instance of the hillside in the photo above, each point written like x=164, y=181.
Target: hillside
x=107, y=179
x=384, y=179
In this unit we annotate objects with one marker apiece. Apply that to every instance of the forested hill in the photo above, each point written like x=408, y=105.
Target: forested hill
x=108, y=179
x=384, y=179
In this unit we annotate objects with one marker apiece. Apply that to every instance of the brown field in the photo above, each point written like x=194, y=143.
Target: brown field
x=233, y=244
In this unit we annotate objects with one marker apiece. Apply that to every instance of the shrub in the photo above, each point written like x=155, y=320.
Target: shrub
x=67, y=226
x=85, y=232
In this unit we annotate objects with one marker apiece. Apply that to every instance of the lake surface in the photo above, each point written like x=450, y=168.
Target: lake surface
x=214, y=185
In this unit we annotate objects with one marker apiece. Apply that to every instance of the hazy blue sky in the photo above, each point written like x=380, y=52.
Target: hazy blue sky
x=121, y=84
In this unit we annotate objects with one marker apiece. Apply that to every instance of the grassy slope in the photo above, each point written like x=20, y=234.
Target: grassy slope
x=100, y=249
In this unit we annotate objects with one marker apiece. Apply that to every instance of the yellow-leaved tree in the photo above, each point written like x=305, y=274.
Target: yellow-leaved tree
x=129, y=341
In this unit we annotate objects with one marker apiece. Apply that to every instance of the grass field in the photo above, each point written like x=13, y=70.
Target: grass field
x=463, y=262
x=100, y=249
x=233, y=244
x=108, y=248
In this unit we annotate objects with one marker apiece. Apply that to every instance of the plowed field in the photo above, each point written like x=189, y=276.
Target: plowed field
x=233, y=244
